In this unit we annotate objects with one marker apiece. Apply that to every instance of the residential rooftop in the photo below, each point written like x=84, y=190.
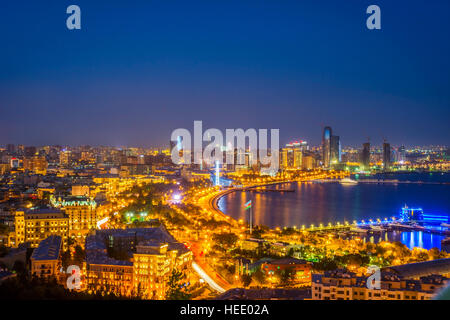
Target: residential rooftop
x=48, y=249
x=421, y=269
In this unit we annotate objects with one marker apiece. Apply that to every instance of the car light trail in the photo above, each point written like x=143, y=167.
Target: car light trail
x=207, y=278
x=100, y=222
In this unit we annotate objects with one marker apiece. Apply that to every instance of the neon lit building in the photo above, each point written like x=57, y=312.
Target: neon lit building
x=416, y=215
x=411, y=214
x=335, y=150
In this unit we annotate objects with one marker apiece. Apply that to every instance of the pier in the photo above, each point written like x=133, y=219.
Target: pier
x=377, y=226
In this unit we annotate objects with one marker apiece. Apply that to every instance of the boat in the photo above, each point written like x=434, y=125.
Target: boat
x=359, y=230
x=348, y=181
x=377, y=229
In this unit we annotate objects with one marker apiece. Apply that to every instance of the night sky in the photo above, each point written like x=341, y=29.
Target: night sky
x=139, y=69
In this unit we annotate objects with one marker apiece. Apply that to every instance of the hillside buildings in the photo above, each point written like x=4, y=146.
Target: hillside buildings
x=134, y=261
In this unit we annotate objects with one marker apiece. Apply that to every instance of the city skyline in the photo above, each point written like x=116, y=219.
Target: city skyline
x=220, y=151
x=130, y=77
x=378, y=146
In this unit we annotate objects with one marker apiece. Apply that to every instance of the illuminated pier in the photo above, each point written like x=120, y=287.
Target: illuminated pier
x=411, y=219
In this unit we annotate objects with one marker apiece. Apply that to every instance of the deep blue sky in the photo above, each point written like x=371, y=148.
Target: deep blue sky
x=139, y=69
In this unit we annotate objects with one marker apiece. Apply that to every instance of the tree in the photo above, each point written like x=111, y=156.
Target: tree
x=285, y=276
x=434, y=254
x=290, y=253
x=3, y=251
x=259, y=276
x=177, y=288
x=79, y=254
x=70, y=241
x=4, y=229
x=19, y=267
x=325, y=264
x=225, y=239
x=36, y=288
x=246, y=280
x=356, y=260
x=258, y=232
x=65, y=259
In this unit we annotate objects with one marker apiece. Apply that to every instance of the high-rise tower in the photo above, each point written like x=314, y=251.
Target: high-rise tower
x=386, y=156
x=335, y=150
x=365, y=155
x=326, y=146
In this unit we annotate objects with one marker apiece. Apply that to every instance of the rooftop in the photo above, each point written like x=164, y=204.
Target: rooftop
x=43, y=211
x=421, y=269
x=48, y=249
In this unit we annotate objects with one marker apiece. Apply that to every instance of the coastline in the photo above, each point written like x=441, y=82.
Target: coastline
x=379, y=213
x=213, y=202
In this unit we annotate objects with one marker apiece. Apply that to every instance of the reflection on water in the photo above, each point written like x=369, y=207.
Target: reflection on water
x=315, y=203
x=410, y=239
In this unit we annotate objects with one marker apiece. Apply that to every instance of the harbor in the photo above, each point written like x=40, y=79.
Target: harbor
x=412, y=227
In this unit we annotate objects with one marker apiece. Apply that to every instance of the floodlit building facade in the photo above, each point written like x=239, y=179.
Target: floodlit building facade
x=81, y=212
x=45, y=260
x=36, y=225
x=150, y=254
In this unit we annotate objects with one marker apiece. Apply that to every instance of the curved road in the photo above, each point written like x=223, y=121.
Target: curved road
x=212, y=203
x=207, y=278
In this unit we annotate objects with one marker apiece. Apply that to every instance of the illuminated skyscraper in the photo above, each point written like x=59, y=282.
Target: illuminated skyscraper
x=331, y=148
x=64, y=157
x=386, y=156
x=21, y=149
x=365, y=155
x=292, y=154
x=11, y=149
x=335, y=150
x=326, y=146
x=401, y=154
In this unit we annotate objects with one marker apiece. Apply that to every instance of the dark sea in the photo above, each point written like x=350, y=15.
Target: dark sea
x=324, y=202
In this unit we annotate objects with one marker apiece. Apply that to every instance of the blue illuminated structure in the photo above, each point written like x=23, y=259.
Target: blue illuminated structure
x=411, y=214
x=416, y=214
x=217, y=174
x=435, y=218
x=217, y=180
